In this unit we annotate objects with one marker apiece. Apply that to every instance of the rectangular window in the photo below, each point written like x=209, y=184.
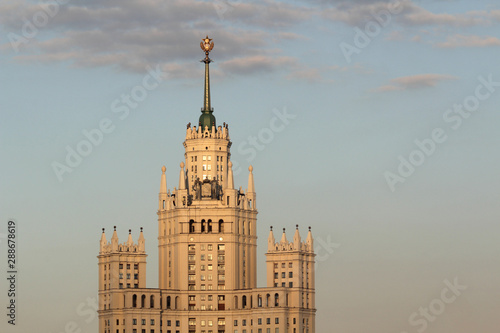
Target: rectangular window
x=221, y=322
x=210, y=267
x=204, y=157
x=290, y=284
x=283, y=275
x=152, y=321
x=202, y=257
x=143, y=322
x=203, y=323
x=268, y=321
x=290, y=274
x=210, y=323
x=276, y=320
x=192, y=321
x=209, y=157
x=209, y=247
x=128, y=266
x=121, y=266
x=259, y=321
x=235, y=323
x=134, y=321
x=244, y=322
x=177, y=323
x=202, y=267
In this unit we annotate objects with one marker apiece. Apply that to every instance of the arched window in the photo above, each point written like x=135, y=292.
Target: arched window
x=168, y=302
x=143, y=301
x=286, y=300
x=276, y=299
x=235, y=302
x=134, y=301
x=244, y=302
x=268, y=297
x=203, y=226
x=249, y=227
x=221, y=226
x=191, y=226
x=124, y=301
x=243, y=227
x=177, y=302
x=259, y=301
x=152, y=301
x=209, y=225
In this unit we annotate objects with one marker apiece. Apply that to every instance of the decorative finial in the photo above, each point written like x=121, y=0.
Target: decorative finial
x=102, y=230
x=297, y=226
x=129, y=231
x=229, y=164
x=309, y=228
x=163, y=169
x=207, y=119
x=250, y=168
x=182, y=165
x=141, y=229
x=114, y=227
x=207, y=45
x=283, y=230
x=271, y=228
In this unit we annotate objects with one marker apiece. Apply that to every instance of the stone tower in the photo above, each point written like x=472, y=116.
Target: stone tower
x=207, y=240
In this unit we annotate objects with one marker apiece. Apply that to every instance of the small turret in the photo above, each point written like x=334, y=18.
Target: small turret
x=182, y=178
x=251, y=186
x=309, y=241
x=163, y=184
x=114, y=240
x=130, y=241
x=104, y=242
x=270, y=240
x=230, y=178
x=283, y=238
x=296, y=238
x=142, y=242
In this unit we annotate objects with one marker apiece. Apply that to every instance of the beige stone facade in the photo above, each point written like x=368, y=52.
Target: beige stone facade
x=207, y=242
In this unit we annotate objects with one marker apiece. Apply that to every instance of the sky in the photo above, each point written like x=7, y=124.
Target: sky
x=373, y=122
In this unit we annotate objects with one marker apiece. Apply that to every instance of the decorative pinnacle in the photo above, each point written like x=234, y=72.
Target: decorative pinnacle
x=102, y=230
x=129, y=231
x=207, y=45
x=207, y=119
x=141, y=229
x=296, y=226
x=114, y=227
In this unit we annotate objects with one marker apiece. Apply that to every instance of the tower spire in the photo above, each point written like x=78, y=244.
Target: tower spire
x=207, y=119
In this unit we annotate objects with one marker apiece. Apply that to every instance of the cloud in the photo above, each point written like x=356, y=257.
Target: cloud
x=469, y=41
x=404, y=12
x=132, y=34
x=256, y=64
x=414, y=82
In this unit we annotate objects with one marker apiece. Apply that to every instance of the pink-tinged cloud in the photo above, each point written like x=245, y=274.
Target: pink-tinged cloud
x=414, y=82
x=469, y=41
x=258, y=63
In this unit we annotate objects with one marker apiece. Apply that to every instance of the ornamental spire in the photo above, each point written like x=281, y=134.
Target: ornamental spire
x=207, y=119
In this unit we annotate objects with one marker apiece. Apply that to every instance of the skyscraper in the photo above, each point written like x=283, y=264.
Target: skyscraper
x=207, y=243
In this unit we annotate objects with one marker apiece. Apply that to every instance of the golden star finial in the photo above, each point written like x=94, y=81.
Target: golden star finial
x=207, y=45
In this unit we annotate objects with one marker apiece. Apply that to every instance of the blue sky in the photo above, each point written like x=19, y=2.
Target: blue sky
x=389, y=151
